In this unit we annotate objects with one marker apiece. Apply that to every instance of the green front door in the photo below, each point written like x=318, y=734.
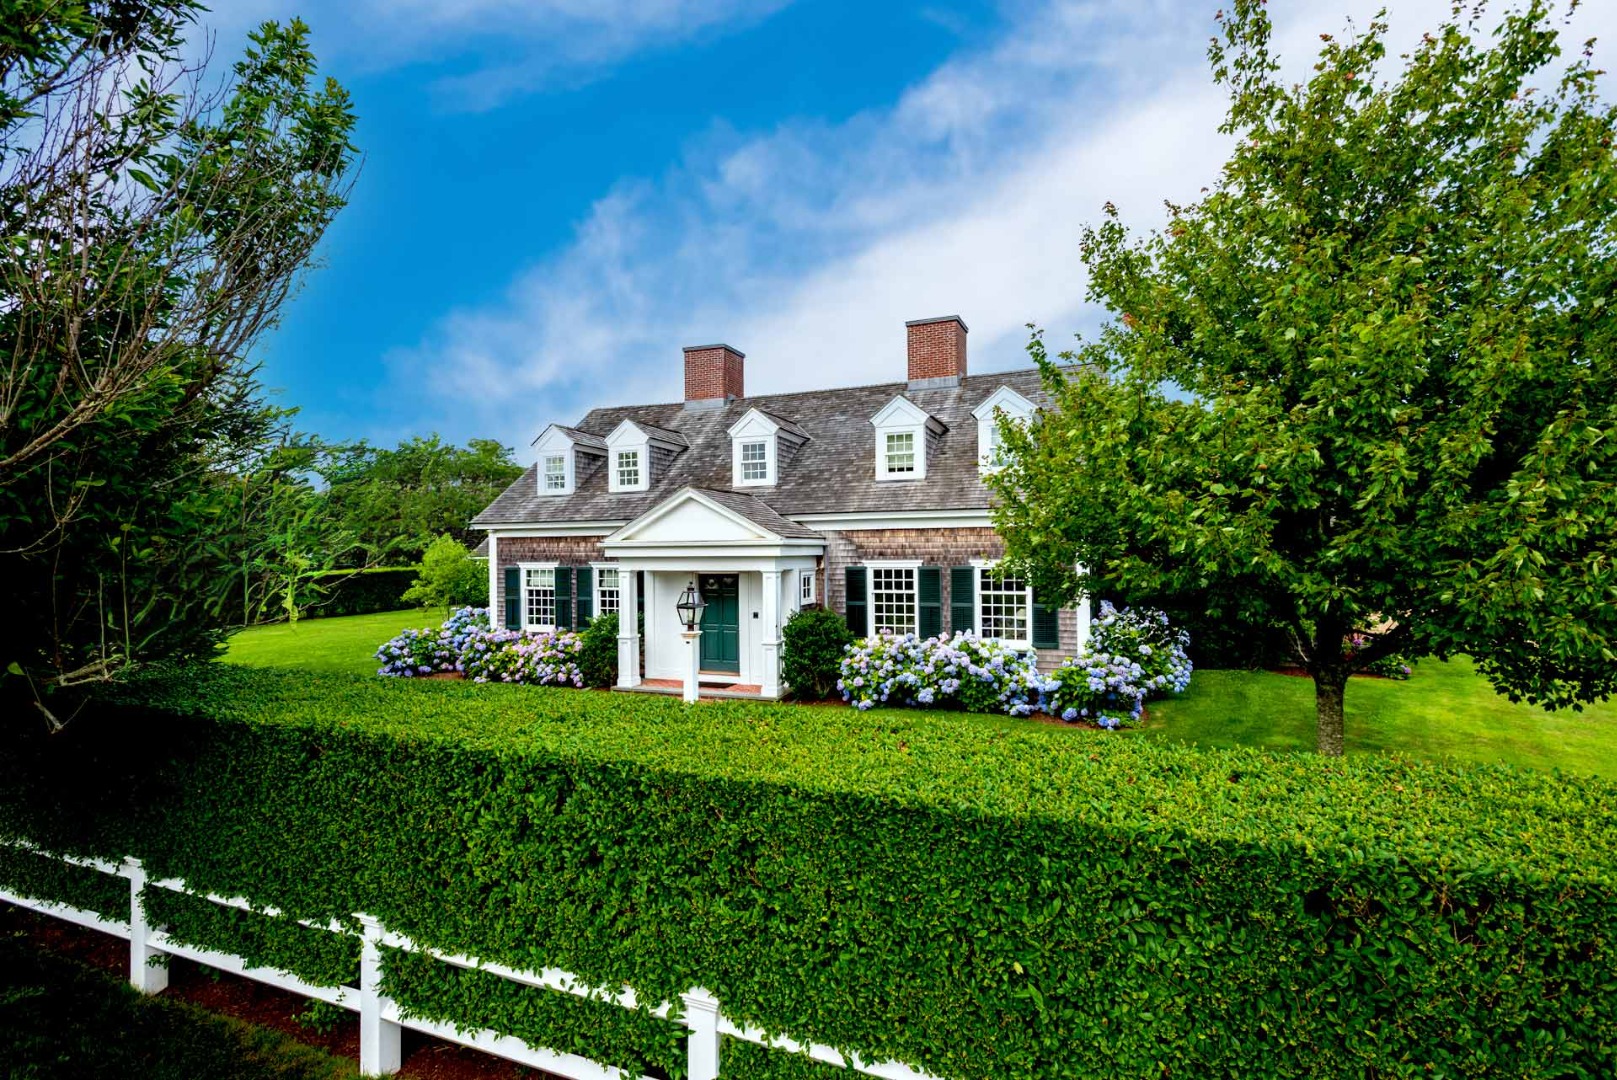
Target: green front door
x=721, y=623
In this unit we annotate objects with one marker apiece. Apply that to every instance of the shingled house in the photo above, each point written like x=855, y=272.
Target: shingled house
x=868, y=499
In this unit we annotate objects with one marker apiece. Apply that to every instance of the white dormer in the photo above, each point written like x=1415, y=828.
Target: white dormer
x=1002, y=402
x=558, y=450
x=904, y=432
x=756, y=443
x=629, y=457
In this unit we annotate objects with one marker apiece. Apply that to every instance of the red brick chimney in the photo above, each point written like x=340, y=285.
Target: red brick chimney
x=713, y=374
x=937, y=350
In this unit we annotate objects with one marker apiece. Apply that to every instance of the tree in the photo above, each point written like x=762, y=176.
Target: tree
x=396, y=501
x=151, y=232
x=449, y=577
x=1366, y=382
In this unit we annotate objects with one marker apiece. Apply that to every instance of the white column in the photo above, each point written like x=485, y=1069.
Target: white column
x=495, y=618
x=628, y=627
x=702, y=1044
x=1083, y=615
x=379, y=1053
x=143, y=974
x=771, y=613
x=692, y=663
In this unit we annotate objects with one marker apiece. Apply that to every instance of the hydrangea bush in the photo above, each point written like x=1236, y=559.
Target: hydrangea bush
x=468, y=644
x=1132, y=655
x=1393, y=666
x=955, y=670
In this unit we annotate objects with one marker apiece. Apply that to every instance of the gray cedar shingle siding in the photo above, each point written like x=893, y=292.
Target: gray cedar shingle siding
x=833, y=472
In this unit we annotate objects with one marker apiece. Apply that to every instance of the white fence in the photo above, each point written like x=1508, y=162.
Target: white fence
x=381, y=1021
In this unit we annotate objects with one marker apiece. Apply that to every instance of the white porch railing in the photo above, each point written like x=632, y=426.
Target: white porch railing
x=381, y=1021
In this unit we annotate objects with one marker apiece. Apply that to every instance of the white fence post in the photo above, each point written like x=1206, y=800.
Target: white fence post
x=144, y=976
x=379, y=1053
x=702, y=1044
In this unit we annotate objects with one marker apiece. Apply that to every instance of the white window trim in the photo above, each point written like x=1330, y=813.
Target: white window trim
x=902, y=416
x=870, y=589
x=566, y=472
x=1022, y=645
x=805, y=588
x=525, y=567
x=595, y=585
x=643, y=457
x=770, y=456
x=628, y=437
x=1002, y=402
x=918, y=434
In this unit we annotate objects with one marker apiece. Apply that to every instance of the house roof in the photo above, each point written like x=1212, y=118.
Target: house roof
x=760, y=514
x=833, y=472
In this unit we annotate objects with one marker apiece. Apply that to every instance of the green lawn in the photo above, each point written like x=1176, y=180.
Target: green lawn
x=62, y=1020
x=343, y=643
x=1446, y=709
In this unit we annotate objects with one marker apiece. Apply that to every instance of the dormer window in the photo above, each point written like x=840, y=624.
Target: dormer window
x=755, y=461
x=555, y=473
x=757, y=442
x=566, y=456
x=1002, y=403
x=627, y=472
x=634, y=450
x=900, y=453
x=904, y=434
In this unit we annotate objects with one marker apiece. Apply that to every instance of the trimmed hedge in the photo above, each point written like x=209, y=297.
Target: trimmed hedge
x=972, y=900
x=362, y=592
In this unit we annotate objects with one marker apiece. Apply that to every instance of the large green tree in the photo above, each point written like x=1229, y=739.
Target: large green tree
x=1367, y=382
x=151, y=226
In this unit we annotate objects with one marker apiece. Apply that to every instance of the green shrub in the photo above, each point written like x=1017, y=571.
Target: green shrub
x=358, y=592
x=598, y=655
x=812, y=645
x=449, y=577
x=930, y=888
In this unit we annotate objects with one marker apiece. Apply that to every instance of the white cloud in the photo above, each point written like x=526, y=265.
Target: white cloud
x=807, y=247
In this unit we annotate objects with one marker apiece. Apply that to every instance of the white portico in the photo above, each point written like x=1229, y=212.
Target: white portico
x=753, y=567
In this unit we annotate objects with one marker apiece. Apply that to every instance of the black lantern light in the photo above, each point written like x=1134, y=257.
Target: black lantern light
x=690, y=606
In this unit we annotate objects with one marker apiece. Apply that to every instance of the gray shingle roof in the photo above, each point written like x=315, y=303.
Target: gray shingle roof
x=584, y=437
x=834, y=472
x=759, y=513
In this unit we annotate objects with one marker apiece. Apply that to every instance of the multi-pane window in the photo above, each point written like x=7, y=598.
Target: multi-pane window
x=606, y=592
x=539, y=592
x=806, y=588
x=755, y=460
x=555, y=472
x=900, y=452
x=628, y=468
x=892, y=599
x=996, y=446
x=1005, y=604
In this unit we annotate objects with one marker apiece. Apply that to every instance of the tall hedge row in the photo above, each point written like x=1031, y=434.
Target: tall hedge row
x=972, y=900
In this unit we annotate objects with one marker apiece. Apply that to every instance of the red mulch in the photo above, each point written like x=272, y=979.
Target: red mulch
x=425, y=1058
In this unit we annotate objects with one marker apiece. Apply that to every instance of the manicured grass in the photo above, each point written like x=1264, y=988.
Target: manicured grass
x=1445, y=710
x=62, y=1020
x=344, y=643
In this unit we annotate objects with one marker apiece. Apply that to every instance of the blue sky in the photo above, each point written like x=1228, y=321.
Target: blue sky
x=557, y=195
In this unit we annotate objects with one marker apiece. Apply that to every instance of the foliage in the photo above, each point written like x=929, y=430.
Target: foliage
x=953, y=671
x=151, y=234
x=1099, y=687
x=1391, y=318
x=425, y=651
x=449, y=577
x=363, y=592
x=1389, y=666
x=63, y=1020
x=812, y=644
x=466, y=643
x=1144, y=636
x=598, y=652
x=342, y=643
x=941, y=890
x=396, y=501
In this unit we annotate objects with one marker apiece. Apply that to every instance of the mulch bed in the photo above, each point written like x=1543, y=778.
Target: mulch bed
x=425, y=1058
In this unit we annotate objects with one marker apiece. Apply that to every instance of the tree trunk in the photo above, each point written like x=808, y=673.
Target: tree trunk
x=1329, y=690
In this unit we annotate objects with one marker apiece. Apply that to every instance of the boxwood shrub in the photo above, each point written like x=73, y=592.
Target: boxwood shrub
x=972, y=899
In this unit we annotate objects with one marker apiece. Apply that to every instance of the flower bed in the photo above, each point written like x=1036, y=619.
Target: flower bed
x=1132, y=655
x=468, y=645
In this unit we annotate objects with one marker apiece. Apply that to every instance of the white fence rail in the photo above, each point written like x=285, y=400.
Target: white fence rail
x=381, y=1021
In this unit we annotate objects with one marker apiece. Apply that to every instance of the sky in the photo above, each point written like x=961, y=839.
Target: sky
x=557, y=195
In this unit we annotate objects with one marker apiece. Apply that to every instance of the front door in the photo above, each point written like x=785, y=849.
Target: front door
x=721, y=623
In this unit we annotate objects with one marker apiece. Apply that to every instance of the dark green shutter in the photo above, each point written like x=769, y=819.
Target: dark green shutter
x=586, y=595
x=513, y=598
x=1046, y=626
x=929, y=596
x=856, y=608
x=963, y=598
x=564, y=598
